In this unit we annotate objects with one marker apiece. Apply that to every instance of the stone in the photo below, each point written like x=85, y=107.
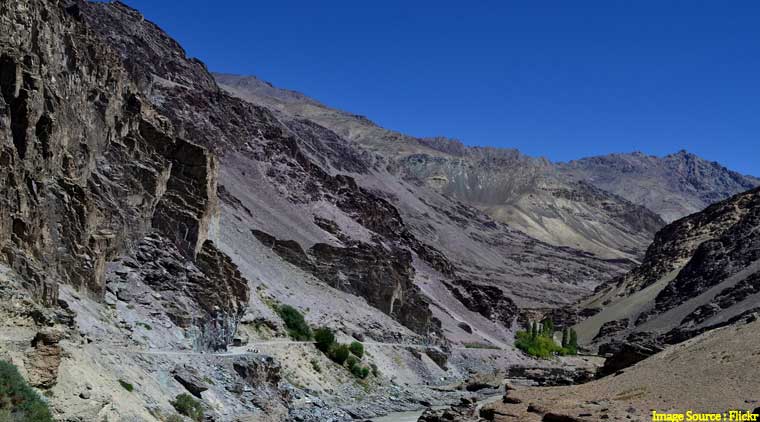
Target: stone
x=190, y=379
x=45, y=358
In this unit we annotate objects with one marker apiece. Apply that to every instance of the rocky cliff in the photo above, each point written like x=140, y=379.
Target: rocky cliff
x=151, y=224
x=88, y=168
x=700, y=273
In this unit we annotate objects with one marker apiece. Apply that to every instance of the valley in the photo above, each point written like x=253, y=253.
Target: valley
x=178, y=245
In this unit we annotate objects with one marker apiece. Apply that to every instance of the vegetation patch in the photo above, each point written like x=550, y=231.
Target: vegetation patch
x=18, y=401
x=294, y=321
x=339, y=353
x=325, y=339
x=350, y=355
x=127, y=386
x=477, y=345
x=186, y=405
x=357, y=349
x=539, y=342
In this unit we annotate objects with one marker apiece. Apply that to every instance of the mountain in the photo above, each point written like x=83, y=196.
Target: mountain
x=673, y=186
x=162, y=238
x=599, y=204
x=701, y=272
x=526, y=193
x=153, y=228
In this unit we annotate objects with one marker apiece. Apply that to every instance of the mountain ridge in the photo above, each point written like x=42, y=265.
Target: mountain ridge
x=533, y=195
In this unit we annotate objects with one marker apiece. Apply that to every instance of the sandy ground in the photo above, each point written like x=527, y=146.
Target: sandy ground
x=716, y=372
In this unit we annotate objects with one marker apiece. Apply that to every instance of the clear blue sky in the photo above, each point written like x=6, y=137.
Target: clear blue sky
x=560, y=79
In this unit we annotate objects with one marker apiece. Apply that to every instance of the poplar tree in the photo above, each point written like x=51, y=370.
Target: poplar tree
x=573, y=339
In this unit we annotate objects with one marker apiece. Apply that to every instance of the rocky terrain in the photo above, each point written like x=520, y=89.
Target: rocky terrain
x=726, y=381
x=593, y=204
x=152, y=224
x=673, y=186
x=157, y=223
x=701, y=272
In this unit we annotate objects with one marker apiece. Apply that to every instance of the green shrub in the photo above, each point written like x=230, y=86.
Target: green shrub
x=188, y=406
x=375, y=371
x=542, y=345
x=325, y=339
x=127, y=386
x=297, y=327
x=339, y=353
x=175, y=418
x=315, y=366
x=352, y=361
x=357, y=349
x=359, y=371
x=17, y=400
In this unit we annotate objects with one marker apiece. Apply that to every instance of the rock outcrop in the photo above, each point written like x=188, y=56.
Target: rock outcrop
x=89, y=169
x=383, y=275
x=489, y=301
x=207, y=296
x=44, y=360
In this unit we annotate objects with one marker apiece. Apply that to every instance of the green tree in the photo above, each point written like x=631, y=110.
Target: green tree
x=573, y=344
x=188, y=406
x=17, y=400
x=533, y=330
x=547, y=327
x=339, y=353
x=325, y=339
x=294, y=321
x=565, y=337
x=357, y=349
x=352, y=361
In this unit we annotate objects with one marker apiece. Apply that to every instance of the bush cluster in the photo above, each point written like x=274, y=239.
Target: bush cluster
x=186, y=405
x=127, y=386
x=350, y=355
x=295, y=323
x=18, y=402
x=357, y=349
x=539, y=341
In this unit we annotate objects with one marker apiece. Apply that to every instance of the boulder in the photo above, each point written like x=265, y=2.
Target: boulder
x=45, y=358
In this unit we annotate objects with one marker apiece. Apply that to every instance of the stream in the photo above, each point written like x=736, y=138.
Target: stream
x=414, y=415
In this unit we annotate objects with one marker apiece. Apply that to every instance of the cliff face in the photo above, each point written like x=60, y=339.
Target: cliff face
x=88, y=169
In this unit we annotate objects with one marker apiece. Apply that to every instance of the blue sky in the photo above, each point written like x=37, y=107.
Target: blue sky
x=560, y=79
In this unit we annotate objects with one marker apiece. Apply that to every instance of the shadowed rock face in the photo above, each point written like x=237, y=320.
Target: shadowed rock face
x=88, y=169
x=382, y=275
x=488, y=301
